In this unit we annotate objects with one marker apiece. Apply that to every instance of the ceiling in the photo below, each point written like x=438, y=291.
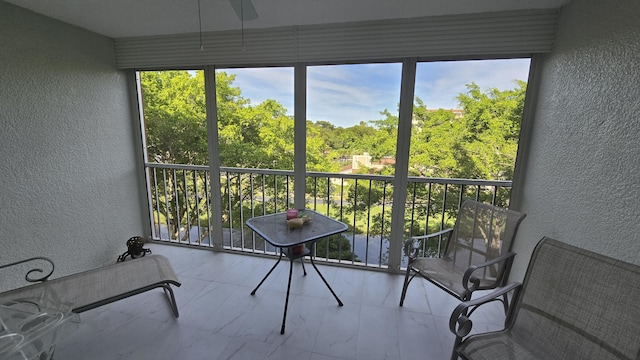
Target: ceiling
x=128, y=18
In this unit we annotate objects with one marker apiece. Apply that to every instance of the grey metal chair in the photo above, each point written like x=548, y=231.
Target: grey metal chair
x=477, y=255
x=573, y=304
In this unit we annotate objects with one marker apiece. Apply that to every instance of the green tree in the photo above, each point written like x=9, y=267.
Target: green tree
x=174, y=115
x=174, y=112
x=492, y=119
x=481, y=144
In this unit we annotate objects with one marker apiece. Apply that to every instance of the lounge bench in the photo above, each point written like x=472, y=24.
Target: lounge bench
x=573, y=304
x=93, y=288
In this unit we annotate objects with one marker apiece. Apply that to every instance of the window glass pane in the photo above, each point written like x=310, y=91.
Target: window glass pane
x=466, y=125
x=352, y=113
x=174, y=111
x=467, y=118
x=256, y=148
x=352, y=122
x=174, y=117
x=255, y=117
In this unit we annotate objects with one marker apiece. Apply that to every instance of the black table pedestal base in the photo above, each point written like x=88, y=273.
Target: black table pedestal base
x=293, y=257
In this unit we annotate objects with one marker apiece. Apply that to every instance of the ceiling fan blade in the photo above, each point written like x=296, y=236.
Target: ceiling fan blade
x=244, y=9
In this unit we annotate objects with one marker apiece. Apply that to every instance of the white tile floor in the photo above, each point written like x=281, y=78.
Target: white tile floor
x=219, y=319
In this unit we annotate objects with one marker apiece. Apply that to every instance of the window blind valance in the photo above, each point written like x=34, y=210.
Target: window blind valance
x=485, y=35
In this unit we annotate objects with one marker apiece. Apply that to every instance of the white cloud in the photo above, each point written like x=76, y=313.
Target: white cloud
x=438, y=83
x=260, y=84
x=348, y=94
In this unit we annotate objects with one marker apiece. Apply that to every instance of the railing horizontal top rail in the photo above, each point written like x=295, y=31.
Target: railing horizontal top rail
x=417, y=179
x=388, y=178
x=176, y=166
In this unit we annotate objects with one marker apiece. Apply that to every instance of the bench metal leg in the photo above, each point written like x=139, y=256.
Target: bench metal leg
x=168, y=291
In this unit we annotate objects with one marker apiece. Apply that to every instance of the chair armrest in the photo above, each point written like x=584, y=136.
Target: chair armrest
x=460, y=324
x=468, y=277
x=411, y=247
x=35, y=270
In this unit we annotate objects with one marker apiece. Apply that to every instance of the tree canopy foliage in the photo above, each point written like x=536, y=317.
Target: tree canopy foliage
x=480, y=144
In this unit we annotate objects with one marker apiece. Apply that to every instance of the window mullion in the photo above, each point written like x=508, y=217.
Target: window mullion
x=300, y=137
x=400, y=179
x=214, y=159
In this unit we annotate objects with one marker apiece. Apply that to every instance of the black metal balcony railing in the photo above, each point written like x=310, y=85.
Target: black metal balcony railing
x=180, y=205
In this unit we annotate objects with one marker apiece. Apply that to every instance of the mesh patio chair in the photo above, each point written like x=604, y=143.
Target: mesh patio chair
x=477, y=254
x=573, y=304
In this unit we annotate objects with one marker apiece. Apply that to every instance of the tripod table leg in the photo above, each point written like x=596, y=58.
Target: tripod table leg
x=286, y=301
x=325, y=282
x=266, y=276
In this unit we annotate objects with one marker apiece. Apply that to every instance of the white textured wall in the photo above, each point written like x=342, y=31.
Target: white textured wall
x=68, y=148
x=582, y=177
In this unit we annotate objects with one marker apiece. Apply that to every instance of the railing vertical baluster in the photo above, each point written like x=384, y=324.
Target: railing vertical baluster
x=461, y=197
x=366, y=252
x=253, y=214
x=473, y=235
x=264, y=200
x=264, y=205
x=197, y=204
x=167, y=217
x=355, y=212
x=315, y=193
x=241, y=208
x=186, y=205
x=428, y=214
x=444, y=208
x=328, y=196
x=287, y=200
x=155, y=192
x=328, y=214
x=341, y=216
x=413, y=209
x=384, y=202
x=275, y=194
x=178, y=221
x=208, y=205
x=230, y=209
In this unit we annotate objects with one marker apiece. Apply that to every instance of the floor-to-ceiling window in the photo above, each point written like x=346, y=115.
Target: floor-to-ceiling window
x=352, y=119
x=464, y=133
x=255, y=147
x=174, y=118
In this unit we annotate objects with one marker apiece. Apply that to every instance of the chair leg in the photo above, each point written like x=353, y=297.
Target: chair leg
x=454, y=353
x=505, y=302
x=407, y=280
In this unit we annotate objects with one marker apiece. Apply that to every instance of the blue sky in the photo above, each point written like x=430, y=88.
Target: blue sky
x=347, y=94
